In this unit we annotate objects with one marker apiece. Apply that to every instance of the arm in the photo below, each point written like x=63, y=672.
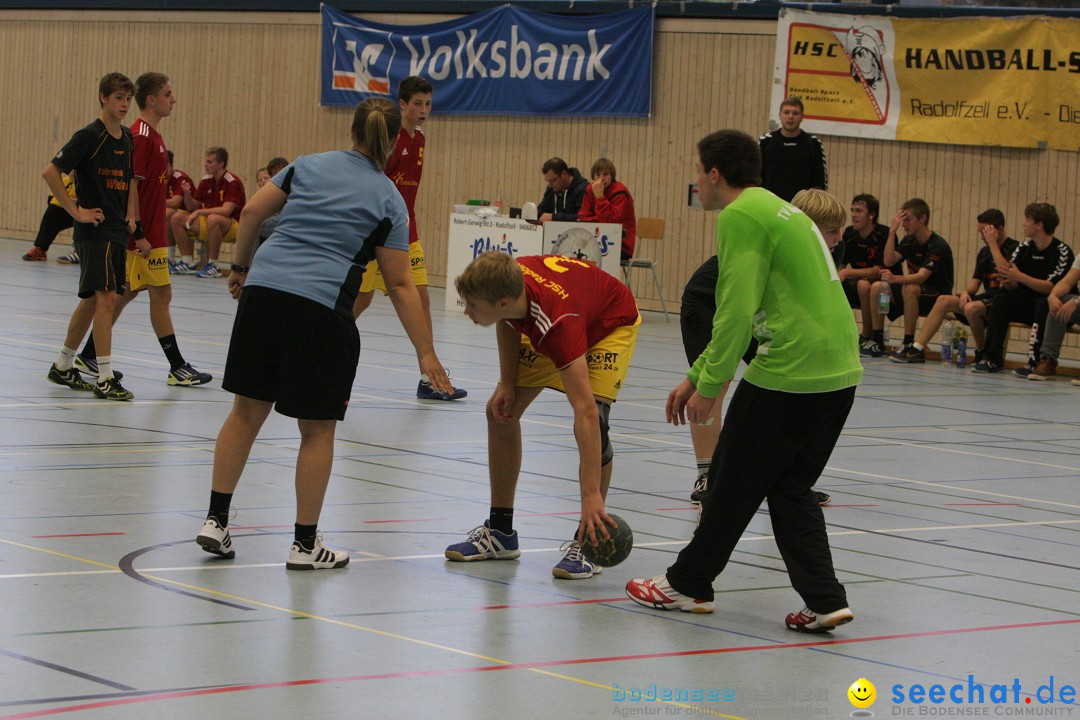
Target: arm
x=917, y=278
x=971, y=289
x=575, y=196
x=588, y=207
x=890, y=257
x=1014, y=278
x=268, y=201
x=226, y=209
x=1061, y=289
x=189, y=201
x=575, y=378
x=142, y=245
x=546, y=206
x=613, y=209
x=850, y=273
x=56, y=186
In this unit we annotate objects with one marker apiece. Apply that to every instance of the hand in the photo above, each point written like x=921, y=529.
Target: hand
x=898, y=220
x=887, y=276
x=501, y=403
x=92, y=216
x=597, y=188
x=842, y=273
x=185, y=187
x=430, y=366
x=544, y=218
x=699, y=408
x=675, y=411
x=236, y=284
x=1010, y=272
x=1066, y=310
x=988, y=234
x=593, y=516
x=130, y=224
x=963, y=300
x=142, y=247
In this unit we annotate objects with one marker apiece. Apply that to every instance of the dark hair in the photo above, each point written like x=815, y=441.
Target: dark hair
x=220, y=153
x=170, y=154
x=113, y=82
x=1044, y=213
x=794, y=101
x=872, y=205
x=275, y=165
x=735, y=154
x=375, y=126
x=149, y=84
x=556, y=165
x=918, y=208
x=601, y=165
x=993, y=216
x=413, y=85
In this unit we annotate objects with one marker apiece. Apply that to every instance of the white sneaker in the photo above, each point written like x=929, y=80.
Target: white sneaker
x=318, y=557
x=215, y=539
x=657, y=593
x=807, y=621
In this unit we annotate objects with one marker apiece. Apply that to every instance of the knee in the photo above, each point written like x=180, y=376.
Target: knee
x=863, y=288
x=912, y=291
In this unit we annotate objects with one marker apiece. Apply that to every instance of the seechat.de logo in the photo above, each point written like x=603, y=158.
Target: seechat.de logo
x=862, y=695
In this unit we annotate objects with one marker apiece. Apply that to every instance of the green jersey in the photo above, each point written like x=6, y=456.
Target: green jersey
x=778, y=282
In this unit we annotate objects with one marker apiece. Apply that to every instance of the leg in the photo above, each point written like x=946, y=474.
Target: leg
x=975, y=312
x=184, y=242
x=877, y=320
x=944, y=305
x=865, y=305
x=1054, y=333
x=160, y=319
x=504, y=448
x=80, y=321
x=313, y=464
x=235, y=439
x=1040, y=310
x=911, y=293
x=53, y=221
x=216, y=227
x=103, y=319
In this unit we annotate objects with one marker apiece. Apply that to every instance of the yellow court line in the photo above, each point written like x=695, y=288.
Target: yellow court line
x=353, y=626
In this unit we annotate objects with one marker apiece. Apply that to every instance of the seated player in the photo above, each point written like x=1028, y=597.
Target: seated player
x=180, y=186
x=864, y=250
x=213, y=211
x=1064, y=310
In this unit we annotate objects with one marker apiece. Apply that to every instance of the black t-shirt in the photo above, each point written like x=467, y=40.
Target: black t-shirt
x=935, y=255
x=985, y=267
x=862, y=253
x=102, y=167
x=1049, y=264
x=701, y=287
x=789, y=165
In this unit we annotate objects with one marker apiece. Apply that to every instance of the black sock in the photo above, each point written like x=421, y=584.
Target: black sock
x=501, y=519
x=172, y=352
x=89, y=351
x=908, y=339
x=879, y=337
x=305, y=535
x=219, y=507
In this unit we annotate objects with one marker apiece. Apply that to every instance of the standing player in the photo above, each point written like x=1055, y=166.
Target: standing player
x=147, y=263
x=405, y=167
x=778, y=283
x=567, y=325
x=100, y=156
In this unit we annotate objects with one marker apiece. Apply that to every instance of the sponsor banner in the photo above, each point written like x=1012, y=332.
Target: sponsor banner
x=967, y=81
x=502, y=61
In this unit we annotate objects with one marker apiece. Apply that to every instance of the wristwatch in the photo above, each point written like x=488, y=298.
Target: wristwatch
x=242, y=269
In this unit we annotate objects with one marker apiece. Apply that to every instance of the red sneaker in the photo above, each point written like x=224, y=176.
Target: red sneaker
x=36, y=253
x=807, y=621
x=658, y=594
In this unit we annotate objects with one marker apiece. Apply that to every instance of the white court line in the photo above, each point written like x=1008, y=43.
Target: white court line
x=372, y=557
x=968, y=452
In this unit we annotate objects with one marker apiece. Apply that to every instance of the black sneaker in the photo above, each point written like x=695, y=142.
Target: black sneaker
x=700, y=486
x=987, y=367
x=1023, y=371
x=908, y=354
x=71, y=378
x=872, y=349
x=823, y=498
x=111, y=389
x=88, y=366
x=978, y=356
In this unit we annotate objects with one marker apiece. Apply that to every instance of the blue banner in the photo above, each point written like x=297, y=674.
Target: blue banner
x=506, y=61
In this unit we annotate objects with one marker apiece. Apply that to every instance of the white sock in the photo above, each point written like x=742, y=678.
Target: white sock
x=703, y=465
x=104, y=368
x=65, y=359
x=424, y=378
x=172, y=253
x=918, y=346
x=188, y=260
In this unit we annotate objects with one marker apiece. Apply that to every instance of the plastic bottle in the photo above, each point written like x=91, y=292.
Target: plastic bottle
x=884, y=299
x=946, y=342
x=960, y=346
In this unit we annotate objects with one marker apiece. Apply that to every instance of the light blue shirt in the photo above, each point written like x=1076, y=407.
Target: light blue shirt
x=340, y=207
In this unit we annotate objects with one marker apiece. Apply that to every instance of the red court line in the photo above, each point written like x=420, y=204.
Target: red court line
x=524, y=666
x=980, y=504
x=838, y=505
x=101, y=534
x=375, y=522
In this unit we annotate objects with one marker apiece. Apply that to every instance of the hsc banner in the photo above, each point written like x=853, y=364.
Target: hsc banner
x=967, y=81
x=506, y=61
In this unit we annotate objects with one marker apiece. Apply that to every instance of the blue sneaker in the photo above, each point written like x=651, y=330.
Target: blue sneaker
x=210, y=270
x=483, y=543
x=181, y=268
x=187, y=375
x=987, y=367
x=1023, y=371
x=573, y=565
x=426, y=391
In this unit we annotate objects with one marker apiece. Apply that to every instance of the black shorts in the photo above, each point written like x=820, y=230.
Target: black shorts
x=102, y=266
x=696, y=322
x=293, y=352
x=986, y=298
x=896, y=307
x=851, y=289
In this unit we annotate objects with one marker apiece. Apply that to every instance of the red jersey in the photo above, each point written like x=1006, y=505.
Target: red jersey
x=572, y=306
x=176, y=183
x=215, y=193
x=405, y=166
x=152, y=169
x=615, y=207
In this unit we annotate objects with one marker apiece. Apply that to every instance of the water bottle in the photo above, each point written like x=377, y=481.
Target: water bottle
x=884, y=299
x=960, y=346
x=946, y=342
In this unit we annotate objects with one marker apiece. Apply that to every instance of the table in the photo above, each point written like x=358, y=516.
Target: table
x=470, y=235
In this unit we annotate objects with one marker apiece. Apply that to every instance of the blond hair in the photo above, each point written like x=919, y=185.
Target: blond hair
x=827, y=212
x=375, y=127
x=492, y=276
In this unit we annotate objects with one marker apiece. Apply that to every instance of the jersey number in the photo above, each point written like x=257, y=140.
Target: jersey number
x=554, y=263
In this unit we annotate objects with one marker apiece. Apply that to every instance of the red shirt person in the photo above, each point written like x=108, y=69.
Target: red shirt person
x=608, y=200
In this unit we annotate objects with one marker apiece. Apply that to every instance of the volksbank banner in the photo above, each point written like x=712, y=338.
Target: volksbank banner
x=503, y=61
x=969, y=81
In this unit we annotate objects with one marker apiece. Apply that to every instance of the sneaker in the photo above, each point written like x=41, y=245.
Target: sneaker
x=483, y=543
x=319, y=557
x=872, y=349
x=36, y=254
x=823, y=498
x=700, y=486
x=978, y=356
x=187, y=376
x=1076, y=382
x=210, y=270
x=987, y=367
x=71, y=258
x=71, y=378
x=1023, y=371
x=88, y=366
x=573, y=565
x=908, y=354
x=807, y=621
x=426, y=391
x=111, y=389
x=181, y=268
x=215, y=539
x=1046, y=369
x=657, y=593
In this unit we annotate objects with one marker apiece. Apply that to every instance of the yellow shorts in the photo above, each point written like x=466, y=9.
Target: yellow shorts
x=151, y=271
x=373, y=279
x=203, y=233
x=608, y=362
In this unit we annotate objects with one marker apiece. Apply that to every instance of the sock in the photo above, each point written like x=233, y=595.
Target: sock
x=89, y=350
x=188, y=260
x=908, y=339
x=172, y=352
x=879, y=337
x=65, y=359
x=219, y=507
x=862, y=339
x=172, y=253
x=501, y=519
x=104, y=368
x=425, y=379
x=305, y=535
x=918, y=346
x=703, y=465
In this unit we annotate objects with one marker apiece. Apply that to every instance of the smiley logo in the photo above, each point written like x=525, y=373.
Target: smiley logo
x=862, y=693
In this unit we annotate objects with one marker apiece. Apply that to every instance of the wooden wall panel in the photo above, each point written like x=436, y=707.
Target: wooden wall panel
x=249, y=82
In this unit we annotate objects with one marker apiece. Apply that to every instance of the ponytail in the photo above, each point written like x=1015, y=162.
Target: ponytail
x=375, y=127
